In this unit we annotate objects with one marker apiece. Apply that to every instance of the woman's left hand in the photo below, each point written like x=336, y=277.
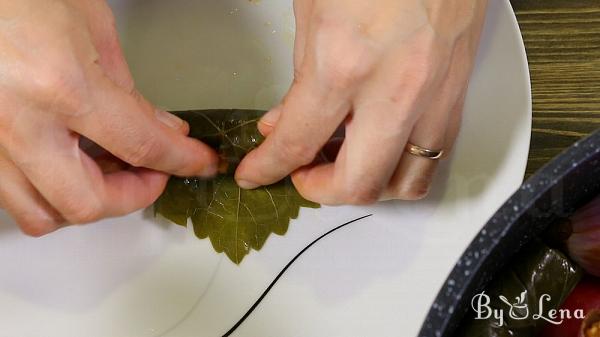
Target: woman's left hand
x=392, y=72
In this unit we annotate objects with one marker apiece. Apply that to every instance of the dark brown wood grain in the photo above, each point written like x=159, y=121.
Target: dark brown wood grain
x=562, y=38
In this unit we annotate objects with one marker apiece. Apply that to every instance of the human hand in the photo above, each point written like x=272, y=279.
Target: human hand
x=391, y=72
x=62, y=75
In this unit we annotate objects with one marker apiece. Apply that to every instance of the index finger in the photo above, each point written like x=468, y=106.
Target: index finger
x=133, y=130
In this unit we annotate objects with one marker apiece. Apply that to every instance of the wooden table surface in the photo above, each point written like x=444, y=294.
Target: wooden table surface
x=562, y=38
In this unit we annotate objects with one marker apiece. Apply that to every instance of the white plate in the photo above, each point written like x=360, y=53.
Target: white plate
x=136, y=277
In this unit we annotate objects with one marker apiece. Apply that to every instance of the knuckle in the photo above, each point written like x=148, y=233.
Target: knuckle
x=55, y=91
x=35, y=230
x=430, y=62
x=143, y=154
x=346, y=59
x=414, y=191
x=47, y=81
x=298, y=75
x=361, y=193
x=342, y=72
x=6, y=134
x=83, y=209
x=415, y=194
x=61, y=12
x=420, y=75
x=297, y=151
x=84, y=213
x=35, y=226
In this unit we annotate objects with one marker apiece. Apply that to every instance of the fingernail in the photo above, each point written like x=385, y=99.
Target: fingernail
x=169, y=119
x=300, y=174
x=271, y=117
x=209, y=170
x=247, y=185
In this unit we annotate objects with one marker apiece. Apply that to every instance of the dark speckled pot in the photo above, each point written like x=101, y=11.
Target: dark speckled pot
x=556, y=191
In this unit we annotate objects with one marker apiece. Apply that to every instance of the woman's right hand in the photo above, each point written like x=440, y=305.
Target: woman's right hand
x=63, y=76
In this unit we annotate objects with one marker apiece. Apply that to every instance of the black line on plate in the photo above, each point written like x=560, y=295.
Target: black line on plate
x=249, y=312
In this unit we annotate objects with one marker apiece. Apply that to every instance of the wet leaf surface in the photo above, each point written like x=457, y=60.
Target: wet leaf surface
x=235, y=220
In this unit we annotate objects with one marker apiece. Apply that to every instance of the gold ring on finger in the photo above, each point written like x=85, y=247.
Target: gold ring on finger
x=419, y=151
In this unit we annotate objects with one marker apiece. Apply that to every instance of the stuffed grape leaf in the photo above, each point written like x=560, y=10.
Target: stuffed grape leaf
x=235, y=220
x=518, y=293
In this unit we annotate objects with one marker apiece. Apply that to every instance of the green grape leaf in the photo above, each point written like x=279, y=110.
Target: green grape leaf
x=235, y=220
